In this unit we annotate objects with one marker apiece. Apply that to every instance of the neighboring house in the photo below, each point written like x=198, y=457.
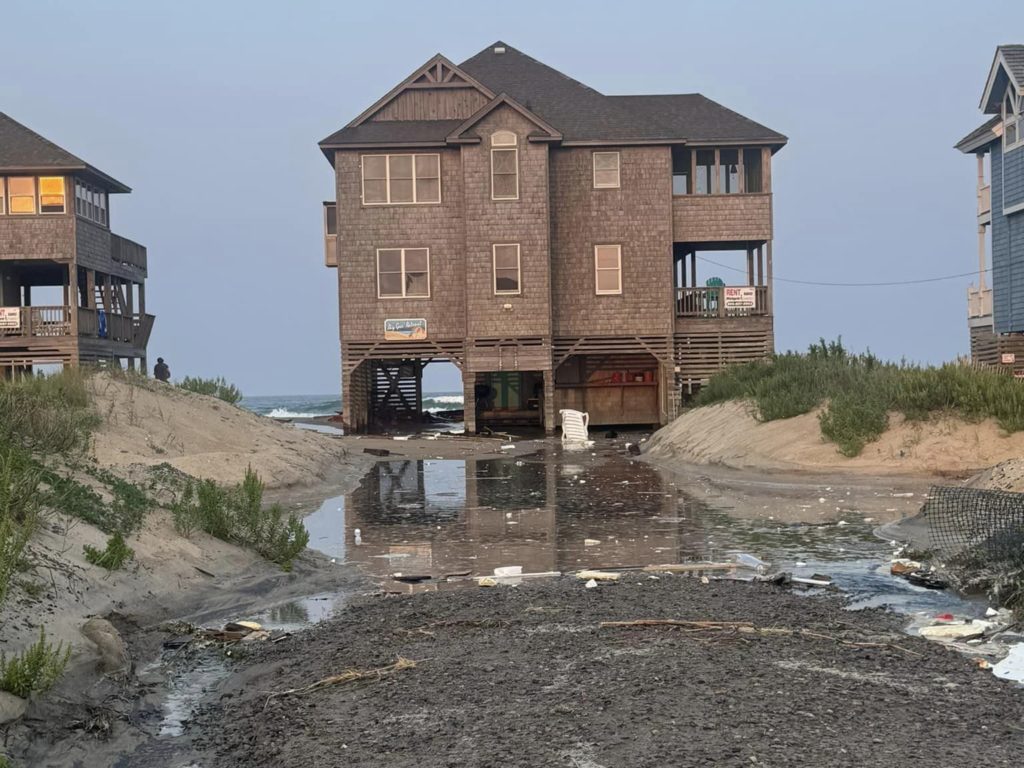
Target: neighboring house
x=71, y=291
x=545, y=237
x=996, y=314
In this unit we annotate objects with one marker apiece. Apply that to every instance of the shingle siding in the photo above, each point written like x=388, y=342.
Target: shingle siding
x=1007, y=240
x=1013, y=177
x=637, y=216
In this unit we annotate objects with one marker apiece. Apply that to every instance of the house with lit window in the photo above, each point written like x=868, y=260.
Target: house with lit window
x=71, y=291
x=564, y=248
x=995, y=315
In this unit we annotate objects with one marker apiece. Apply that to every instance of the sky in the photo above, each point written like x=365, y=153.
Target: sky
x=211, y=112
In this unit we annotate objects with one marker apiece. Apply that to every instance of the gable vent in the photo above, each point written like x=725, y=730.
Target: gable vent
x=499, y=49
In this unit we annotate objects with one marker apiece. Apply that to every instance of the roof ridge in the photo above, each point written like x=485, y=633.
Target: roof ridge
x=527, y=56
x=42, y=138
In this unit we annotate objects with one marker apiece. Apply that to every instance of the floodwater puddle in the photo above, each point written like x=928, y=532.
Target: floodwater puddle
x=554, y=511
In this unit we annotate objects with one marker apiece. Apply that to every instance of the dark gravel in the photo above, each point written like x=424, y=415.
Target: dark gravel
x=524, y=677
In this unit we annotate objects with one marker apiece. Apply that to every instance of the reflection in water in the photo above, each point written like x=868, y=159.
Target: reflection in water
x=556, y=512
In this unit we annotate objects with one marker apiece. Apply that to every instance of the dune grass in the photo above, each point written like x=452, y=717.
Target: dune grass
x=859, y=391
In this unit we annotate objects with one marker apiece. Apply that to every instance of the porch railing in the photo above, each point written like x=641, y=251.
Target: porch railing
x=722, y=301
x=979, y=302
x=125, y=251
x=35, y=321
x=131, y=329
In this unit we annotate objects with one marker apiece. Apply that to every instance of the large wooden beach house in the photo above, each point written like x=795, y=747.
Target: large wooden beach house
x=71, y=291
x=995, y=314
x=551, y=241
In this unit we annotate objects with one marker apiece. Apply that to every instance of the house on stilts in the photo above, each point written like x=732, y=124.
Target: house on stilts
x=71, y=291
x=562, y=247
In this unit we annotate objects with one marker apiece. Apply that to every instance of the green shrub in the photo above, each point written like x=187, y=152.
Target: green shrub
x=860, y=390
x=237, y=514
x=35, y=669
x=49, y=414
x=114, y=557
x=218, y=388
x=20, y=503
x=124, y=514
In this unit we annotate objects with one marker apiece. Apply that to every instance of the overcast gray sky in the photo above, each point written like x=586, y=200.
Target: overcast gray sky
x=211, y=112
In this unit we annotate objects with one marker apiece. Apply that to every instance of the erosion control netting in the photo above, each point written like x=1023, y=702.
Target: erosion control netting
x=978, y=534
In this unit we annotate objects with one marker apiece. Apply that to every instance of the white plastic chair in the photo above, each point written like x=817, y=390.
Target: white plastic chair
x=574, y=427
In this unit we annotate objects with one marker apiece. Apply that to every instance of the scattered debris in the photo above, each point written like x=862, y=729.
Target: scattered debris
x=696, y=569
x=1012, y=666
x=901, y=566
x=377, y=451
x=348, y=676
x=590, y=584
x=598, y=575
x=487, y=581
x=632, y=449
x=745, y=560
x=960, y=631
x=591, y=542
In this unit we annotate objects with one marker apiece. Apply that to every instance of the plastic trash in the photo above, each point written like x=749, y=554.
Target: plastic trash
x=590, y=584
x=745, y=560
x=1011, y=667
x=509, y=570
x=591, y=542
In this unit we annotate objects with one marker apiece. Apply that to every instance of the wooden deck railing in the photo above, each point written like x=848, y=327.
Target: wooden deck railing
x=36, y=321
x=125, y=251
x=56, y=321
x=722, y=301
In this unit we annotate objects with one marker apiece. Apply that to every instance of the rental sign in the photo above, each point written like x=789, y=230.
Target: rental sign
x=10, y=318
x=740, y=297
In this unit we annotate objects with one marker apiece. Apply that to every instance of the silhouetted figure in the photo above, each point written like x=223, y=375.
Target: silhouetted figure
x=161, y=371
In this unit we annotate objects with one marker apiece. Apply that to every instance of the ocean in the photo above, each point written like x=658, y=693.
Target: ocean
x=310, y=406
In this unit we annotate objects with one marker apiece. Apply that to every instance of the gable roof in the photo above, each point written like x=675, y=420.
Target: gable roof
x=24, y=150
x=981, y=136
x=1007, y=67
x=575, y=112
x=546, y=132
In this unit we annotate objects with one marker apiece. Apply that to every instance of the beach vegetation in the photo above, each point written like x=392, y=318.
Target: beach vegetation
x=35, y=669
x=113, y=557
x=237, y=514
x=20, y=510
x=218, y=387
x=857, y=392
x=47, y=414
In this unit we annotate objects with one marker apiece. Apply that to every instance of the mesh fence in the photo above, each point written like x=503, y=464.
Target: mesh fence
x=976, y=529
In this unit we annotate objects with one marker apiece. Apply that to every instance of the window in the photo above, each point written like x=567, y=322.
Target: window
x=403, y=273
x=1012, y=120
x=22, y=192
x=51, y=194
x=91, y=203
x=3, y=196
x=506, y=269
x=681, y=182
x=504, y=166
x=398, y=179
x=606, y=170
x=608, y=269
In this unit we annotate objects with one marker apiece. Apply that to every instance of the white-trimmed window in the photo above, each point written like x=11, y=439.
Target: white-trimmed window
x=401, y=179
x=21, y=192
x=507, y=276
x=403, y=273
x=1013, y=121
x=504, y=166
x=51, y=194
x=608, y=269
x=91, y=203
x=606, y=170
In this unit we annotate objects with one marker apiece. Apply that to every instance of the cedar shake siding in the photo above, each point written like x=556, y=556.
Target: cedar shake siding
x=71, y=291
x=996, y=302
x=605, y=309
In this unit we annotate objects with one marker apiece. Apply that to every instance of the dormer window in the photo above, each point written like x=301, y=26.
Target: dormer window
x=1012, y=120
x=504, y=166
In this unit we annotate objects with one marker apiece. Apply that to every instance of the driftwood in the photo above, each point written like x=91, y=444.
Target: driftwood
x=746, y=627
x=348, y=676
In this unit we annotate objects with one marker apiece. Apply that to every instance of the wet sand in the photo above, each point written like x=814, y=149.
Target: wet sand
x=527, y=677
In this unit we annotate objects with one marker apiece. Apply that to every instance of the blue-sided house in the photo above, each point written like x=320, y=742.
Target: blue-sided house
x=996, y=314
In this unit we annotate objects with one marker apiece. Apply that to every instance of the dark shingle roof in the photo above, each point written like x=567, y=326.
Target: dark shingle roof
x=393, y=131
x=980, y=136
x=22, y=149
x=577, y=111
x=1013, y=55
x=695, y=118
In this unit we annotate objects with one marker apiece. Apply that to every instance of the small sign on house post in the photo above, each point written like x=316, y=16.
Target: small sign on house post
x=1008, y=358
x=10, y=318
